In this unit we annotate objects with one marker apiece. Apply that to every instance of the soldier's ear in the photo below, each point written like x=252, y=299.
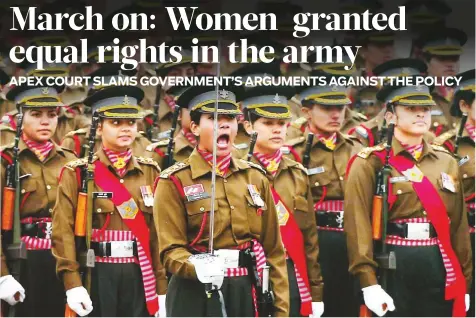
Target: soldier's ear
x=99, y=129
x=248, y=127
x=390, y=117
x=195, y=129
x=307, y=112
x=465, y=108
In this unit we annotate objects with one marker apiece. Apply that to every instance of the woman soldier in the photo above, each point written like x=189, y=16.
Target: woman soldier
x=327, y=156
x=267, y=113
x=123, y=236
x=40, y=160
x=460, y=142
x=427, y=229
x=245, y=220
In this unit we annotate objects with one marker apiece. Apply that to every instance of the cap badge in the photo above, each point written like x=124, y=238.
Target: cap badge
x=419, y=88
x=334, y=88
x=224, y=94
x=405, y=70
x=276, y=99
x=126, y=100
x=45, y=90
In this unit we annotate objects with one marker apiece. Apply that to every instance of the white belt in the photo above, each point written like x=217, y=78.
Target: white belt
x=418, y=231
x=231, y=258
x=120, y=248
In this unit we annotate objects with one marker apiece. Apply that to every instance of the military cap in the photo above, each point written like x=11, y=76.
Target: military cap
x=163, y=68
x=256, y=70
x=357, y=6
x=426, y=11
x=203, y=98
x=268, y=101
x=29, y=96
x=400, y=68
x=366, y=95
x=467, y=84
x=327, y=95
x=332, y=68
x=375, y=37
x=109, y=72
x=443, y=41
x=4, y=77
x=117, y=102
x=406, y=95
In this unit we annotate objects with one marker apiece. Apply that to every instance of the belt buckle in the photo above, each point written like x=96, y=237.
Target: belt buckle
x=122, y=249
x=231, y=258
x=418, y=231
x=48, y=230
x=340, y=218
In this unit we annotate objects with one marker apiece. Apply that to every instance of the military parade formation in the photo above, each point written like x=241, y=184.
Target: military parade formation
x=239, y=200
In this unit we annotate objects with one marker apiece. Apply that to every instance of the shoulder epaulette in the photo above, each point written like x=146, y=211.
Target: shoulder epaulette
x=360, y=116
x=295, y=164
x=174, y=168
x=160, y=143
x=5, y=127
x=365, y=153
x=440, y=140
x=148, y=161
x=295, y=100
x=80, y=131
x=362, y=131
x=72, y=165
x=295, y=141
x=241, y=146
x=298, y=123
x=254, y=165
x=4, y=147
x=439, y=148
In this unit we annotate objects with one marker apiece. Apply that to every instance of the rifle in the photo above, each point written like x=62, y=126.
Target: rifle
x=306, y=158
x=253, y=138
x=169, y=158
x=383, y=132
x=460, y=133
x=16, y=249
x=155, y=118
x=385, y=260
x=84, y=214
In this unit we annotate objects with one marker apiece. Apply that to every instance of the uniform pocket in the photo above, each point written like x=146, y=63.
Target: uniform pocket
x=254, y=215
x=103, y=206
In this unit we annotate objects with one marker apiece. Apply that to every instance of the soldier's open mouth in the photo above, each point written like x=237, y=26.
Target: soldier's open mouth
x=223, y=140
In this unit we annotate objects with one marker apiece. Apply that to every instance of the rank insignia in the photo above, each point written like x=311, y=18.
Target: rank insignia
x=195, y=192
x=413, y=174
x=128, y=209
x=255, y=196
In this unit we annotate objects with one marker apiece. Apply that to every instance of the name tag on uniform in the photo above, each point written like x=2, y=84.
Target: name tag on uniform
x=463, y=160
x=436, y=112
x=255, y=196
x=147, y=195
x=447, y=182
x=398, y=179
x=102, y=195
x=195, y=192
x=316, y=170
x=285, y=150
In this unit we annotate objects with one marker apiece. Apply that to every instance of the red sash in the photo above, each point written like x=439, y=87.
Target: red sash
x=294, y=244
x=107, y=181
x=438, y=216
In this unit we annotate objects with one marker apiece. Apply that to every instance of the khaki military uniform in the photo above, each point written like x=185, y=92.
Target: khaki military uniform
x=465, y=156
x=292, y=184
x=295, y=107
x=6, y=107
x=237, y=221
x=351, y=120
x=417, y=285
x=158, y=150
x=326, y=177
x=7, y=135
x=45, y=295
x=441, y=119
x=140, y=172
x=77, y=140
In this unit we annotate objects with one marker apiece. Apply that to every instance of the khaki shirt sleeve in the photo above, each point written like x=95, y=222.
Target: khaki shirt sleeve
x=358, y=195
x=63, y=245
x=171, y=225
x=275, y=255
x=460, y=239
x=311, y=246
x=69, y=143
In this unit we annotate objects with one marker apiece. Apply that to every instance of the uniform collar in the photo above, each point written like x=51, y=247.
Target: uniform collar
x=340, y=139
x=200, y=166
x=182, y=142
x=56, y=149
x=427, y=149
x=132, y=165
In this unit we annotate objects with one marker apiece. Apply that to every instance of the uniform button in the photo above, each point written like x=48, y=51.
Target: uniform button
x=341, y=178
x=465, y=175
x=232, y=207
x=424, y=212
x=202, y=209
x=50, y=210
x=399, y=192
x=121, y=181
x=316, y=184
x=224, y=180
x=23, y=190
x=436, y=124
x=48, y=187
x=99, y=210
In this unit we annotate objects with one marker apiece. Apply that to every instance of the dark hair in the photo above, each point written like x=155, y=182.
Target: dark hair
x=195, y=116
x=250, y=116
x=308, y=103
x=467, y=96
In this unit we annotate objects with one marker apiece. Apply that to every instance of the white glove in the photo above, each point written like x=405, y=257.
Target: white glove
x=467, y=302
x=209, y=268
x=161, y=313
x=78, y=300
x=11, y=291
x=317, y=309
x=375, y=298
